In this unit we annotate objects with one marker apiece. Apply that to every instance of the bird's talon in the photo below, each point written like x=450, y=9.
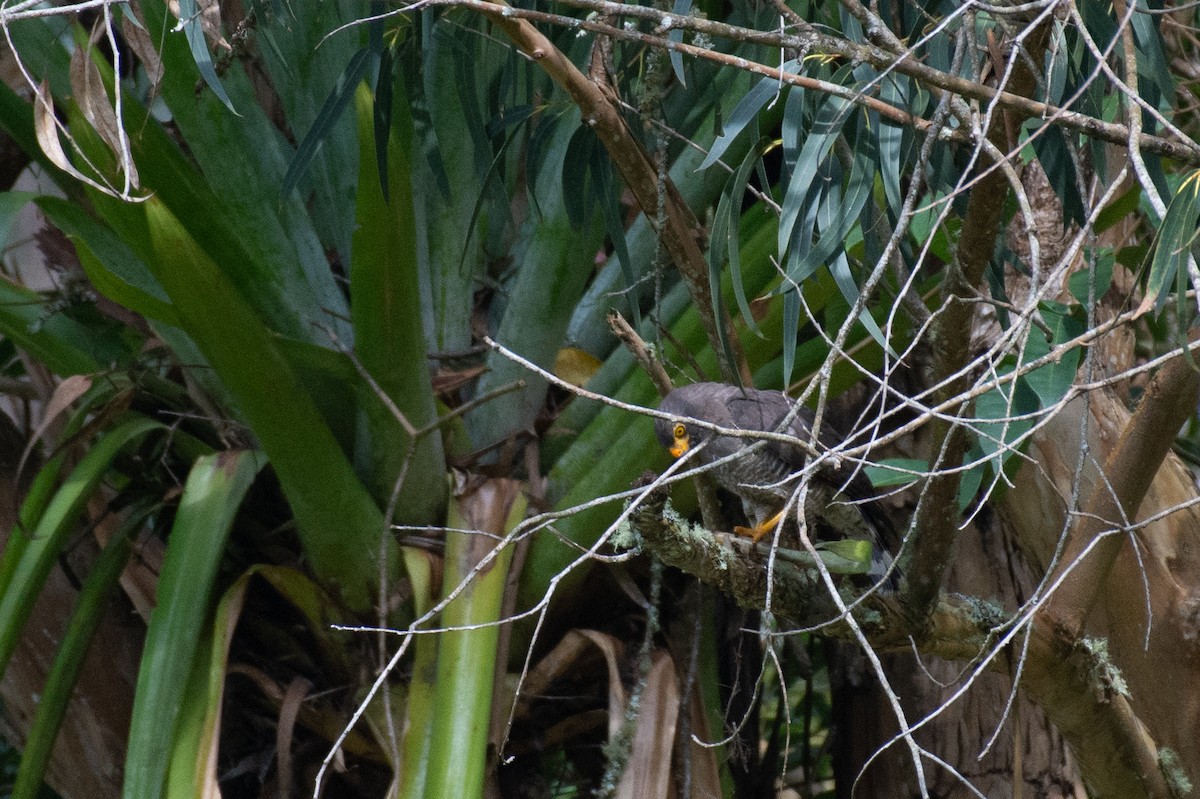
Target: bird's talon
x=753, y=533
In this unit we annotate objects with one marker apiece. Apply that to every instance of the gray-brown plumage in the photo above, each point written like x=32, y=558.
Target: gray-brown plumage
x=766, y=476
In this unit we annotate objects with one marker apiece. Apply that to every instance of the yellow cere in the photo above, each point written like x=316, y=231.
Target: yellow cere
x=681, y=441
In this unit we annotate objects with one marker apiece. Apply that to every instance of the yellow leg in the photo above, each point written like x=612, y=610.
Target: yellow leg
x=755, y=533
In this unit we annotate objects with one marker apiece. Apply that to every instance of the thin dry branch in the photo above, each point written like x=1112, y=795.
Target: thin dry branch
x=935, y=524
x=681, y=232
x=814, y=42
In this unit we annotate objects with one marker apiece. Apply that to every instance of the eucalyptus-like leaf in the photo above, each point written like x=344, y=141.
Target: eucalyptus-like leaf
x=191, y=20
x=1174, y=242
x=744, y=113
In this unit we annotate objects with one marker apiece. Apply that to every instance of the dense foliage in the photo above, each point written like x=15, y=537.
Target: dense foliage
x=331, y=359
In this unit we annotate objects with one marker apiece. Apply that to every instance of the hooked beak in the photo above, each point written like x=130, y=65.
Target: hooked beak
x=680, y=447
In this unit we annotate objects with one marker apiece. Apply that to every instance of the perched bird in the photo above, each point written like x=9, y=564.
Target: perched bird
x=766, y=476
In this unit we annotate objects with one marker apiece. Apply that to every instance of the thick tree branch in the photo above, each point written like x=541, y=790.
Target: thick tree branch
x=1128, y=473
x=1071, y=678
x=682, y=232
x=1083, y=696
x=935, y=524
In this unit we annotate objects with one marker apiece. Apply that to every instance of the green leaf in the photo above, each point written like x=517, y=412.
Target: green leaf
x=1174, y=242
x=339, y=523
x=744, y=112
x=1120, y=208
x=97, y=591
x=1100, y=268
x=39, y=553
x=210, y=501
x=1051, y=382
x=467, y=657
x=64, y=345
x=189, y=20
x=725, y=241
x=11, y=203
x=896, y=471
x=389, y=337
x=1054, y=155
x=111, y=266
x=681, y=8
x=332, y=110
x=804, y=185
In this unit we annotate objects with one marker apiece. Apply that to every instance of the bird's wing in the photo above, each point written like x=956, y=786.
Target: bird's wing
x=766, y=410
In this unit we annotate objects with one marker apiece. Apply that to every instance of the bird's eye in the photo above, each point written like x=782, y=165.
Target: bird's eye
x=680, y=431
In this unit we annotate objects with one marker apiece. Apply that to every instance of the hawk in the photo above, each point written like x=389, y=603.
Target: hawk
x=766, y=475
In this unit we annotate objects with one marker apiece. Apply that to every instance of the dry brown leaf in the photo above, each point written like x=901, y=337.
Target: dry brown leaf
x=64, y=394
x=139, y=41
x=45, y=127
x=90, y=95
x=648, y=770
x=566, y=656
x=297, y=692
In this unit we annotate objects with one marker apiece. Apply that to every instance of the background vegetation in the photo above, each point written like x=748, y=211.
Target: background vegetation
x=323, y=460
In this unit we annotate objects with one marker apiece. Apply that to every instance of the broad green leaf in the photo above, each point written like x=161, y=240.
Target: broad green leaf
x=1052, y=381
x=467, y=658
x=389, y=338
x=211, y=498
x=64, y=345
x=896, y=471
x=226, y=190
x=111, y=266
x=1100, y=269
x=339, y=523
x=556, y=257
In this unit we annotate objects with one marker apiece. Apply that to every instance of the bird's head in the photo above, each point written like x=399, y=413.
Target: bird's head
x=686, y=403
x=675, y=436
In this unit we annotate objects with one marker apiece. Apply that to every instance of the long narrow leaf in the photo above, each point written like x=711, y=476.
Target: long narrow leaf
x=339, y=523
x=746, y=110
x=189, y=19
x=1176, y=236
x=388, y=334
x=210, y=500
x=335, y=105
x=98, y=589
x=39, y=554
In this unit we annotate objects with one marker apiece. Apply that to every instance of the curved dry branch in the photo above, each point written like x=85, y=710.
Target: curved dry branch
x=814, y=42
x=681, y=232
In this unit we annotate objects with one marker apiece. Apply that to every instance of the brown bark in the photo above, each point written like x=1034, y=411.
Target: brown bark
x=89, y=754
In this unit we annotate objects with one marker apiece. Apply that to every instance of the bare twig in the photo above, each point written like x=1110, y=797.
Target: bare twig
x=633, y=342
